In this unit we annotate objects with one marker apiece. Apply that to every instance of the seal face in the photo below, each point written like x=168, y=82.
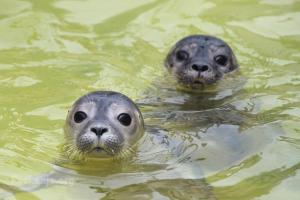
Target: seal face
x=103, y=124
x=199, y=60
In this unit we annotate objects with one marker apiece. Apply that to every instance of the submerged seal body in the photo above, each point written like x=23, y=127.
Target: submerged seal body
x=199, y=60
x=103, y=124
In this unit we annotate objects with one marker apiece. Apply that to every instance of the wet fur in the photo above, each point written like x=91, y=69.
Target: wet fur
x=201, y=49
x=117, y=142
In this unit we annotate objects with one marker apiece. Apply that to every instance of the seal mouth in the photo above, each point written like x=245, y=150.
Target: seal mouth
x=198, y=83
x=98, y=149
x=101, y=150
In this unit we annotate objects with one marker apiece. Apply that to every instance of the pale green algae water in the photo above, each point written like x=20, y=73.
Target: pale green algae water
x=237, y=140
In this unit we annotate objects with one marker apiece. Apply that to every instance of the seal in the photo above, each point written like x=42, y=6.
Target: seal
x=102, y=124
x=199, y=60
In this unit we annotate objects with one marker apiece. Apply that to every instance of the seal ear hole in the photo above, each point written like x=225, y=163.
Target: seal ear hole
x=124, y=119
x=221, y=60
x=182, y=55
x=80, y=116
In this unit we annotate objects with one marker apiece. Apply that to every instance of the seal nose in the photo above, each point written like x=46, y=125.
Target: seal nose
x=200, y=67
x=99, y=130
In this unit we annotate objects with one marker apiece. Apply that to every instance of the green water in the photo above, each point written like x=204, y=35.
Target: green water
x=237, y=140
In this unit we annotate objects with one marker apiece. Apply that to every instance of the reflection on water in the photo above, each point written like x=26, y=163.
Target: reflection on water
x=238, y=139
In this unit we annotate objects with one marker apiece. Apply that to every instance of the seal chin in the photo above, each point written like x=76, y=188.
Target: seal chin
x=98, y=149
x=99, y=152
x=191, y=82
x=198, y=83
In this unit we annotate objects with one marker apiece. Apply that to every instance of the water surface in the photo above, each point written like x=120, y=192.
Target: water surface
x=239, y=139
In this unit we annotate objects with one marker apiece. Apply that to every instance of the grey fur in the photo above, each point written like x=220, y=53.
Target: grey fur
x=202, y=51
x=102, y=109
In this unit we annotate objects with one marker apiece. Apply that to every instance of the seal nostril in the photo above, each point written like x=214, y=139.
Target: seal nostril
x=196, y=67
x=98, y=130
x=204, y=68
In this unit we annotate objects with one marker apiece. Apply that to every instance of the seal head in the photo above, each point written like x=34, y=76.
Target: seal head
x=103, y=124
x=199, y=60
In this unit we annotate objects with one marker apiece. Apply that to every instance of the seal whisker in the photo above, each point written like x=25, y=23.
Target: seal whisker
x=91, y=129
x=193, y=64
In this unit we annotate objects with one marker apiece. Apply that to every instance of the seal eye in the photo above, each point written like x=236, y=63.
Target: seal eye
x=80, y=116
x=221, y=60
x=182, y=55
x=125, y=119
